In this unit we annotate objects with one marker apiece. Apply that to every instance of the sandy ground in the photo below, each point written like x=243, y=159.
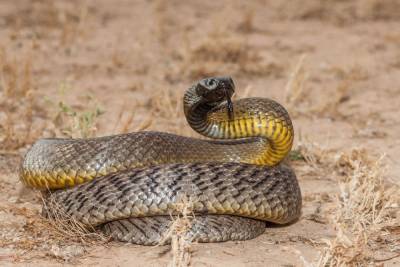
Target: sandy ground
x=133, y=60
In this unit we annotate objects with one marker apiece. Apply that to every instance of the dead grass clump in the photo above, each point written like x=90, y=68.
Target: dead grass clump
x=45, y=16
x=365, y=215
x=42, y=13
x=317, y=159
x=59, y=238
x=340, y=12
x=378, y=10
x=66, y=226
x=177, y=234
x=312, y=153
x=18, y=103
x=219, y=54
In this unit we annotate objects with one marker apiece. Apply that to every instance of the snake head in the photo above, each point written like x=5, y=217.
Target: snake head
x=215, y=90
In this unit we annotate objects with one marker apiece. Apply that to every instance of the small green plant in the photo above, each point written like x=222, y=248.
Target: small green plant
x=296, y=155
x=74, y=122
x=83, y=123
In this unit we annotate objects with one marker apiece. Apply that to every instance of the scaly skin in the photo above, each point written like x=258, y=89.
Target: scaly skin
x=252, y=133
x=254, y=192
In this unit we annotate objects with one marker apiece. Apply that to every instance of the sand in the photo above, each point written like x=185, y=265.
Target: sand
x=122, y=66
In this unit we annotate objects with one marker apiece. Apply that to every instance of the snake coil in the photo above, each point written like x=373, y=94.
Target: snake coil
x=129, y=185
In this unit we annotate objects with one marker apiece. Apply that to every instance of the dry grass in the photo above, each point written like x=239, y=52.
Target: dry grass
x=294, y=91
x=165, y=23
x=73, y=121
x=166, y=104
x=18, y=102
x=60, y=238
x=23, y=119
x=128, y=122
x=313, y=154
x=177, y=234
x=300, y=98
x=66, y=226
x=366, y=214
x=348, y=79
x=68, y=19
x=340, y=12
x=220, y=53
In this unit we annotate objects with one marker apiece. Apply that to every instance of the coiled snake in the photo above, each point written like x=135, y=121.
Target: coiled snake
x=129, y=185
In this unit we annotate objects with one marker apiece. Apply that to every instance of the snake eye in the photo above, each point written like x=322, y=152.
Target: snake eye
x=211, y=83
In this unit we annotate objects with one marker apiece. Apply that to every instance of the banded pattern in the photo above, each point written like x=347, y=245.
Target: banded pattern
x=252, y=118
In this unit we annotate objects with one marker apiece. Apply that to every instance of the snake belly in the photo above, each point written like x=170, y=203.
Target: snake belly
x=129, y=185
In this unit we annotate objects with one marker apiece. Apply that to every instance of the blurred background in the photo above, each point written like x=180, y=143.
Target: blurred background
x=98, y=67
x=92, y=68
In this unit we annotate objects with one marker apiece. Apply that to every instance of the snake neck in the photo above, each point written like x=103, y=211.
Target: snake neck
x=263, y=120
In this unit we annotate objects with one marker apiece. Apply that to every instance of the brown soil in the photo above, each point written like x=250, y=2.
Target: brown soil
x=82, y=68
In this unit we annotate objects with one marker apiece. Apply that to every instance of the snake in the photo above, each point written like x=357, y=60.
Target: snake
x=130, y=186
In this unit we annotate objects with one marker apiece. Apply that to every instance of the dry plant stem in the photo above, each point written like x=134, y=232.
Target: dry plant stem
x=119, y=118
x=177, y=234
x=295, y=86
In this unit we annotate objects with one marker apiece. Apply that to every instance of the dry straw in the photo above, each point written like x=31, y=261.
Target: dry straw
x=181, y=243
x=66, y=226
x=364, y=215
x=294, y=90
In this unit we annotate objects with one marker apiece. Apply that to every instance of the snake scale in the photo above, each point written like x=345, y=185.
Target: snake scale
x=129, y=185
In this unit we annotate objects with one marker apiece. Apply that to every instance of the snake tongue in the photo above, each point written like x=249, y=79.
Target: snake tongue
x=230, y=105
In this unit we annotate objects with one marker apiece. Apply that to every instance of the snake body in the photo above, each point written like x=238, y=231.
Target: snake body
x=128, y=185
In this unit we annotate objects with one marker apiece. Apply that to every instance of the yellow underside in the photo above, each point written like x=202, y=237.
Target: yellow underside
x=277, y=131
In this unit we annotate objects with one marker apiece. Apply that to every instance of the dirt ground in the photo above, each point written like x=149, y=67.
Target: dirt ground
x=93, y=68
